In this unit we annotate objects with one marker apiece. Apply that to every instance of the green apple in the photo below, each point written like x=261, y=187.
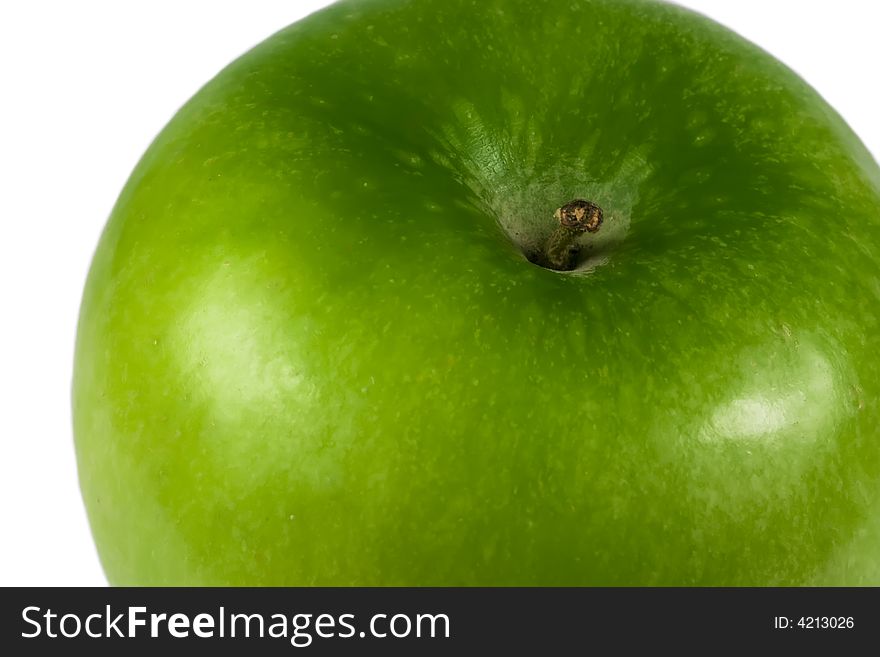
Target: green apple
x=514, y=292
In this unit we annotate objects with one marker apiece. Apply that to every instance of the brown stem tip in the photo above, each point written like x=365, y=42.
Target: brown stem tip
x=575, y=218
x=579, y=214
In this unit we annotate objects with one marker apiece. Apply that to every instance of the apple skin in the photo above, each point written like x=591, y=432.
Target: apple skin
x=311, y=350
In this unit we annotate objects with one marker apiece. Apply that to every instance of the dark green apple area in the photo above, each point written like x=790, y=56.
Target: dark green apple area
x=313, y=348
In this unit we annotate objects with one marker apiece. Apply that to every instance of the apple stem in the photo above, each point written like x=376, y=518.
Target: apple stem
x=575, y=218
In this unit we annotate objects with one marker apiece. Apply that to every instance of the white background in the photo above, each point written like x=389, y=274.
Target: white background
x=86, y=85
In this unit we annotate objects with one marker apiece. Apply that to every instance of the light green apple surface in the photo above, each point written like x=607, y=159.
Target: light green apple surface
x=313, y=348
